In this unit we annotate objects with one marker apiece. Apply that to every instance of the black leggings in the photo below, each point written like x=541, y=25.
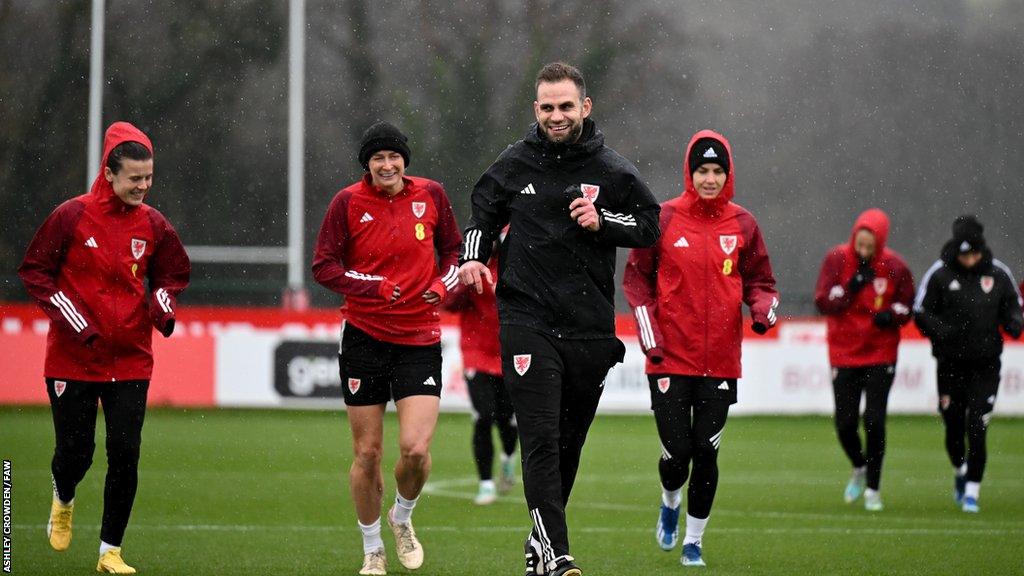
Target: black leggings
x=967, y=394
x=73, y=404
x=874, y=383
x=690, y=417
x=492, y=407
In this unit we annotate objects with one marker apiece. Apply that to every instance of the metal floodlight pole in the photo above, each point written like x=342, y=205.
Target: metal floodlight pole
x=296, y=145
x=95, y=91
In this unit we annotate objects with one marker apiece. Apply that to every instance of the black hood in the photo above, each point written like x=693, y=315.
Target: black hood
x=591, y=140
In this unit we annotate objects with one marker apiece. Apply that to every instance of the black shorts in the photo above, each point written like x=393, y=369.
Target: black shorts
x=670, y=388
x=373, y=372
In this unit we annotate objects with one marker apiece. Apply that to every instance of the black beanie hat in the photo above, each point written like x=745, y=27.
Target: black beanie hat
x=708, y=151
x=967, y=234
x=382, y=136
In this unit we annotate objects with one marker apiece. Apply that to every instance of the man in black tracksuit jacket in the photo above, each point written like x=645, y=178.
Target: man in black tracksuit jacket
x=961, y=303
x=570, y=202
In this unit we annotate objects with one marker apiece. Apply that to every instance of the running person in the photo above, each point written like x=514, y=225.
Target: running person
x=492, y=407
x=687, y=293
x=106, y=268
x=963, y=300
x=571, y=201
x=866, y=290
x=379, y=246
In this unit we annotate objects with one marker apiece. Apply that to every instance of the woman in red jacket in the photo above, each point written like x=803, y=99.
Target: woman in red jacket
x=687, y=293
x=389, y=244
x=865, y=289
x=106, y=268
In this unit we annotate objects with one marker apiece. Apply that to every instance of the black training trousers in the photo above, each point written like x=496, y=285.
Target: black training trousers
x=690, y=413
x=967, y=395
x=491, y=407
x=555, y=386
x=73, y=404
x=874, y=383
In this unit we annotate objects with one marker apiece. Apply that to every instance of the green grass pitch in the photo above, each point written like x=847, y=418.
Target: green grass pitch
x=265, y=492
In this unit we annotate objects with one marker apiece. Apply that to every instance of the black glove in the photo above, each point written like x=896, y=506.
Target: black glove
x=168, y=328
x=1013, y=329
x=759, y=328
x=655, y=355
x=572, y=192
x=861, y=277
x=883, y=319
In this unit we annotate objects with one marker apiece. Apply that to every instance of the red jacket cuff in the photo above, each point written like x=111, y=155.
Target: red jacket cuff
x=438, y=287
x=86, y=335
x=387, y=288
x=161, y=312
x=164, y=323
x=656, y=355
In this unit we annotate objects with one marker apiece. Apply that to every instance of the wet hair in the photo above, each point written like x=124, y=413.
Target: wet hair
x=130, y=150
x=558, y=71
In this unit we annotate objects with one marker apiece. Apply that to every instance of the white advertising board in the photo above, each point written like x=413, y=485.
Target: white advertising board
x=292, y=367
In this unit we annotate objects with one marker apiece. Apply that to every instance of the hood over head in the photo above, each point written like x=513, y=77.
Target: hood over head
x=876, y=221
x=728, y=190
x=708, y=151
x=118, y=133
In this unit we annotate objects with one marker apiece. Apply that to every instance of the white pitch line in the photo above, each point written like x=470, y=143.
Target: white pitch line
x=523, y=529
x=440, y=488
x=789, y=477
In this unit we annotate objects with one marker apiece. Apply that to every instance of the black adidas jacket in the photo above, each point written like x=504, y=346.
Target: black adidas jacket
x=555, y=276
x=961, y=310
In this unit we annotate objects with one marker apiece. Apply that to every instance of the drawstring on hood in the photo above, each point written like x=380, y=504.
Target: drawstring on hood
x=118, y=133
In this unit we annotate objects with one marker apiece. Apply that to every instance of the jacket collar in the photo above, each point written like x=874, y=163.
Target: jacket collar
x=366, y=185
x=591, y=140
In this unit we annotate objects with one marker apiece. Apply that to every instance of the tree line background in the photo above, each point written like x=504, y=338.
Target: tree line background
x=831, y=108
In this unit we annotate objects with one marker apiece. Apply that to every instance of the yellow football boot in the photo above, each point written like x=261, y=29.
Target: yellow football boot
x=111, y=563
x=58, y=528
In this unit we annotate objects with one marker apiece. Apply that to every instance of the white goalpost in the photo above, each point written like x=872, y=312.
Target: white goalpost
x=295, y=295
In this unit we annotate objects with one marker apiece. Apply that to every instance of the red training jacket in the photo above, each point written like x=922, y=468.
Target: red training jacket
x=369, y=243
x=87, y=268
x=478, y=324
x=853, y=338
x=688, y=289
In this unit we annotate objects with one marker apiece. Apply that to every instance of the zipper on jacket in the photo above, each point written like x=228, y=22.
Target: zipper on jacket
x=115, y=295
x=707, y=298
x=113, y=360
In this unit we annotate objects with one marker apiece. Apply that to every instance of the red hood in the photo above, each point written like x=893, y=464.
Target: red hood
x=716, y=205
x=118, y=133
x=875, y=221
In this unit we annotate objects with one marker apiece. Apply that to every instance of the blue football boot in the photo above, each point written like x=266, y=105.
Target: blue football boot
x=959, y=485
x=692, y=555
x=667, y=530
